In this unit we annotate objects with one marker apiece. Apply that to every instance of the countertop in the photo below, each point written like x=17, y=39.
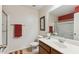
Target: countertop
x=65, y=48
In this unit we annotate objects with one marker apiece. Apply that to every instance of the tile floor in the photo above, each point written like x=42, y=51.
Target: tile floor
x=23, y=51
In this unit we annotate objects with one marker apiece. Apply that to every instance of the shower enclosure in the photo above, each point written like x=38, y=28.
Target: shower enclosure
x=4, y=30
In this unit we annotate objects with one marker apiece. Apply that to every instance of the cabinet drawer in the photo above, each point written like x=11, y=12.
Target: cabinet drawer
x=42, y=51
x=53, y=51
x=45, y=46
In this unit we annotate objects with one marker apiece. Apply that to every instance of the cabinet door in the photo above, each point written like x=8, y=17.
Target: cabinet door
x=45, y=46
x=42, y=51
x=76, y=26
x=53, y=51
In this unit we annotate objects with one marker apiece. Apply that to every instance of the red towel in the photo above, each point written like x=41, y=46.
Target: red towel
x=17, y=30
x=50, y=29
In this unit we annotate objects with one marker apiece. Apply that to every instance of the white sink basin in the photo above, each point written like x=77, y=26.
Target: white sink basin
x=61, y=45
x=57, y=42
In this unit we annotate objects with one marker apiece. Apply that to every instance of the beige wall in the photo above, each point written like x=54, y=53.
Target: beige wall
x=45, y=12
x=49, y=19
x=26, y=16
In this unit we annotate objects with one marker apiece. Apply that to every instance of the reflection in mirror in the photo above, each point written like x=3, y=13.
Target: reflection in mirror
x=63, y=23
x=65, y=29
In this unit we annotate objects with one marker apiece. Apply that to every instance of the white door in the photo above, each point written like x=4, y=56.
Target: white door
x=76, y=26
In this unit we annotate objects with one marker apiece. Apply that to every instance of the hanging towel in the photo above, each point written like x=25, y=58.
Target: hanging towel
x=50, y=29
x=17, y=30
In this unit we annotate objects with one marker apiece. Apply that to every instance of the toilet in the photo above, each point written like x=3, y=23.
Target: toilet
x=35, y=47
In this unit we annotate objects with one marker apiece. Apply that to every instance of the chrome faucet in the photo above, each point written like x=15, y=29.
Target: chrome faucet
x=49, y=35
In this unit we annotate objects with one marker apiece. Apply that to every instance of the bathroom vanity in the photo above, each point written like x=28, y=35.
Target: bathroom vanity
x=45, y=49
x=53, y=46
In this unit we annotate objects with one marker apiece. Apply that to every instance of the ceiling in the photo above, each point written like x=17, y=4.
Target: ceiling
x=62, y=10
x=36, y=6
x=65, y=9
x=39, y=7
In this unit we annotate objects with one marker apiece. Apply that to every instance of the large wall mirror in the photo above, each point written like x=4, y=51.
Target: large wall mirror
x=63, y=21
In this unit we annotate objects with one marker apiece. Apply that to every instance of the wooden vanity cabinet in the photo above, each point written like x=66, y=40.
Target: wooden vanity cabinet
x=45, y=49
x=53, y=51
x=42, y=51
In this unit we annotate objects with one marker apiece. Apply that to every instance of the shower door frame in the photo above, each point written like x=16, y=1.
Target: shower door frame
x=6, y=26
